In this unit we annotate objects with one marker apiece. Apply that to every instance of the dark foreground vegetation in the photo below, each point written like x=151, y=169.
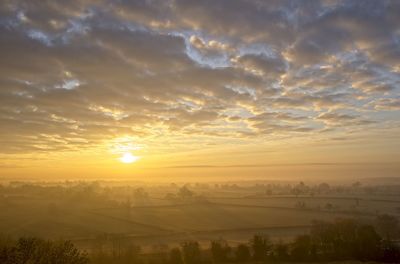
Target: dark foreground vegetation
x=342, y=240
x=38, y=251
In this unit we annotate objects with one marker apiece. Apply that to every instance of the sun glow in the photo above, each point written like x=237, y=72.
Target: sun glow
x=128, y=158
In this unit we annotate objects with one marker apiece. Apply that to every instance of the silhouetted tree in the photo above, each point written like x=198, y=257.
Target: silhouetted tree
x=161, y=252
x=281, y=252
x=175, y=256
x=302, y=248
x=220, y=250
x=388, y=226
x=130, y=253
x=344, y=239
x=261, y=246
x=367, y=244
x=37, y=251
x=191, y=252
x=242, y=253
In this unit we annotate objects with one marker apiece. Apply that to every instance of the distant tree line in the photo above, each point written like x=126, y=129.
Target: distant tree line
x=341, y=240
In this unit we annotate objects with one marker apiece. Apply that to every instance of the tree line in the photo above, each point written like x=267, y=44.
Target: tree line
x=343, y=239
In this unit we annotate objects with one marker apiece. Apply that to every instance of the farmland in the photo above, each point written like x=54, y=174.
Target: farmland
x=169, y=214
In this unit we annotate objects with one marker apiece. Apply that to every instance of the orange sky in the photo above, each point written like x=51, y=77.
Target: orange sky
x=291, y=159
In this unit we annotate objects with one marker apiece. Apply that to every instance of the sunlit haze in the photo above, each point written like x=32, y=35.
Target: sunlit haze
x=128, y=158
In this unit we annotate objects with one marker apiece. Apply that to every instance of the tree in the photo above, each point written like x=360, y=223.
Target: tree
x=344, y=239
x=367, y=243
x=191, y=252
x=140, y=196
x=281, y=252
x=185, y=193
x=175, y=256
x=260, y=246
x=130, y=252
x=323, y=188
x=302, y=248
x=388, y=226
x=242, y=253
x=220, y=250
x=38, y=251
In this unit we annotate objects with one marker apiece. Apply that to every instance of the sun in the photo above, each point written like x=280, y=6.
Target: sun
x=128, y=158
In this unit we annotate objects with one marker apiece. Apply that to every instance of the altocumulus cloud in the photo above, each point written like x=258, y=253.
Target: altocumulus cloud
x=73, y=73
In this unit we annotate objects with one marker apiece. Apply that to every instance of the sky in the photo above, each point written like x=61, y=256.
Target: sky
x=202, y=90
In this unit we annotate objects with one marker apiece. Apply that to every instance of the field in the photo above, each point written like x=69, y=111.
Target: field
x=86, y=215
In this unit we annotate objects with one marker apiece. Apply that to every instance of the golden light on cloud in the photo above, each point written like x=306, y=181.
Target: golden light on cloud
x=128, y=158
x=189, y=89
x=124, y=144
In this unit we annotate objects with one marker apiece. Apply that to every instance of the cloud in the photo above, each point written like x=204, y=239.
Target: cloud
x=74, y=74
x=334, y=119
x=387, y=104
x=211, y=45
x=262, y=65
